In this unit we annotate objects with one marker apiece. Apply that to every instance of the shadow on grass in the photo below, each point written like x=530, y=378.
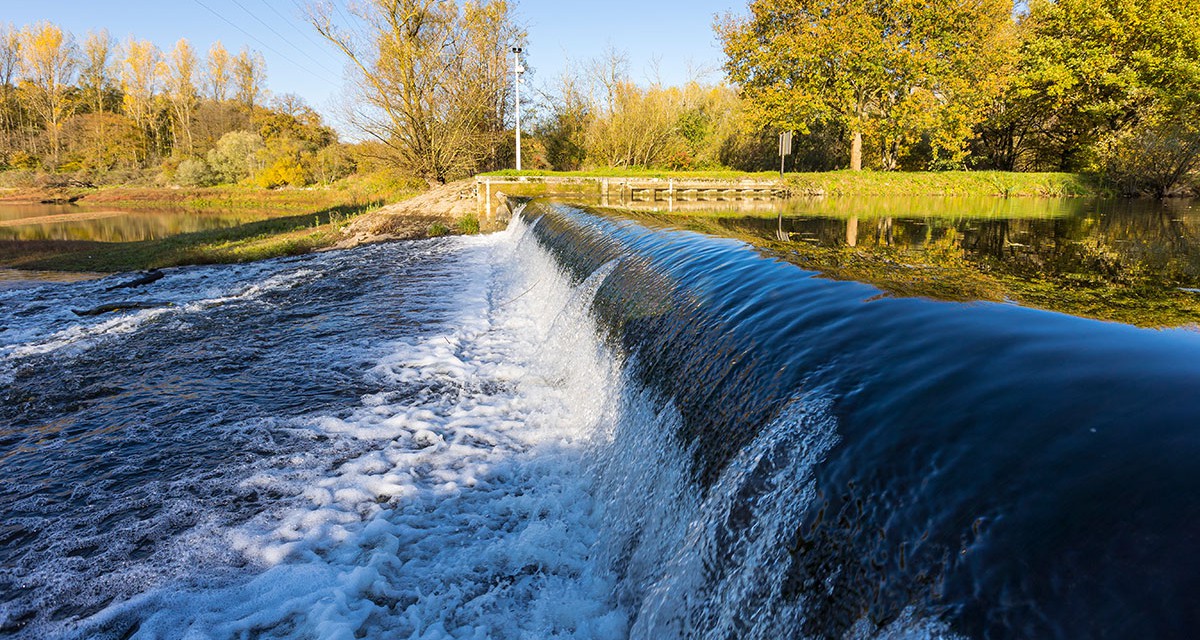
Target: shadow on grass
x=273, y=237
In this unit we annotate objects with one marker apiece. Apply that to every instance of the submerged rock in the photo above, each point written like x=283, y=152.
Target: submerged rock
x=146, y=277
x=121, y=306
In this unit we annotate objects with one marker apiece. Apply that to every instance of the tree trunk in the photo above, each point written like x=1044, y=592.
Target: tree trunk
x=856, y=152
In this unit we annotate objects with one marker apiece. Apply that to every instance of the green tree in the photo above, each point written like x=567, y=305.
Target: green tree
x=236, y=156
x=1092, y=71
x=901, y=71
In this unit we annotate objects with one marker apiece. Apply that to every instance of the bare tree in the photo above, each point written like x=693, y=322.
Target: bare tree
x=432, y=77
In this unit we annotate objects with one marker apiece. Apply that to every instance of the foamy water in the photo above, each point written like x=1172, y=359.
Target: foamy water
x=501, y=474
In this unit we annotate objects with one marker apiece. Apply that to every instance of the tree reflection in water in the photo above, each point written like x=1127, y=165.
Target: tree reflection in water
x=1133, y=261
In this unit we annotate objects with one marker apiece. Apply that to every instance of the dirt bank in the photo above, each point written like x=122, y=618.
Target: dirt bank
x=439, y=208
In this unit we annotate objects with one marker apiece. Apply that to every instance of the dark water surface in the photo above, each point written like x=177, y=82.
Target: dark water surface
x=1014, y=472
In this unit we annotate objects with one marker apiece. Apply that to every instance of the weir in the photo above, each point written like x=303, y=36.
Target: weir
x=632, y=192
x=1005, y=471
x=583, y=427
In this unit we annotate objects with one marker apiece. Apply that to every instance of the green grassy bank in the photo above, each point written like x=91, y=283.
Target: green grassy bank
x=871, y=183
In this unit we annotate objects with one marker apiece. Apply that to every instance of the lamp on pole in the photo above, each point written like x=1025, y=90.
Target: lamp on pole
x=517, y=71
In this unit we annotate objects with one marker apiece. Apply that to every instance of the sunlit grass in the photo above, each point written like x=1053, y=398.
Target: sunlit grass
x=873, y=183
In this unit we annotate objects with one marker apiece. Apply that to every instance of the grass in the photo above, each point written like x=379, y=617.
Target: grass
x=639, y=172
x=873, y=183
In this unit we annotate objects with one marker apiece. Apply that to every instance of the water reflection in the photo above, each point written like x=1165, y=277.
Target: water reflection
x=107, y=224
x=1131, y=261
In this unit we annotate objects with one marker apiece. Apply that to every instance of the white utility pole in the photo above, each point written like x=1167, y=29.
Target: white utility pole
x=517, y=71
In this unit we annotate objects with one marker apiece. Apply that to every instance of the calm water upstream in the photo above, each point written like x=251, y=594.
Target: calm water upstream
x=40, y=222
x=608, y=426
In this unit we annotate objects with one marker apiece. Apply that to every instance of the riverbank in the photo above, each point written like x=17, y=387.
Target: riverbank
x=866, y=183
x=292, y=222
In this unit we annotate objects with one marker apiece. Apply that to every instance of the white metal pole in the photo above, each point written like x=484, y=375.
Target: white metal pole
x=517, y=83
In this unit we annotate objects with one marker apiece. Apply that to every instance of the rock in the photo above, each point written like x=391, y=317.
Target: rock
x=147, y=277
x=121, y=306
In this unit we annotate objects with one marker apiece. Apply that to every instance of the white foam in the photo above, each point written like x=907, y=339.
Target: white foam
x=510, y=481
x=40, y=336
x=464, y=511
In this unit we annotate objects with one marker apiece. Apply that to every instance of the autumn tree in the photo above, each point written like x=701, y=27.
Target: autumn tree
x=182, y=93
x=896, y=70
x=219, y=72
x=249, y=74
x=10, y=64
x=1106, y=73
x=631, y=127
x=433, y=78
x=97, y=77
x=49, y=60
x=140, y=79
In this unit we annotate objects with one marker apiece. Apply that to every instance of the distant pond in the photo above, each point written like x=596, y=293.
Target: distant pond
x=36, y=222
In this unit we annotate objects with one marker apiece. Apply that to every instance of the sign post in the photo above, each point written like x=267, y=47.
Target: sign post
x=785, y=149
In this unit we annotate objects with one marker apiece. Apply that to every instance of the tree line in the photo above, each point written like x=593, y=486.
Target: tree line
x=1108, y=87
x=100, y=110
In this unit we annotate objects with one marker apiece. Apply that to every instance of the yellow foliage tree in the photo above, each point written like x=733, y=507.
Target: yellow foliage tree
x=140, y=82
x=182, y=93
x=218, y=72
x=896, y=70
x=49, y=60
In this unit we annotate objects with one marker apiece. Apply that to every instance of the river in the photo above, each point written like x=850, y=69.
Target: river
x=587, y=426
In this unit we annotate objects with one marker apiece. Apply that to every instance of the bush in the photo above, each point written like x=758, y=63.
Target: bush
x=1156, y=158
x=194, y=172
x=468, y=224
x=284, y=171
x=235, y=157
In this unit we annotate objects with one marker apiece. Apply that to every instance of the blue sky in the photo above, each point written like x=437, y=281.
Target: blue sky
x=663, y=38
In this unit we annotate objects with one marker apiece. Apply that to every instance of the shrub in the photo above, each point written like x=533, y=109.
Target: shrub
x=284, y=171
x=194, y=172
x=468, y=224
x=235, y=157
x=1154, y=158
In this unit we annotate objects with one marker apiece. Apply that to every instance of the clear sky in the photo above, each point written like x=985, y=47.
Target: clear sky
x=661, y=38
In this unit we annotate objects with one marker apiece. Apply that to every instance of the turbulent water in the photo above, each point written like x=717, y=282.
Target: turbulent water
x=583, y=428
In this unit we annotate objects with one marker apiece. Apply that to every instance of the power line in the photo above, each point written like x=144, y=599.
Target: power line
x=349, y=23
x=302, y=31
x=256, y=39
x=281, y=37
